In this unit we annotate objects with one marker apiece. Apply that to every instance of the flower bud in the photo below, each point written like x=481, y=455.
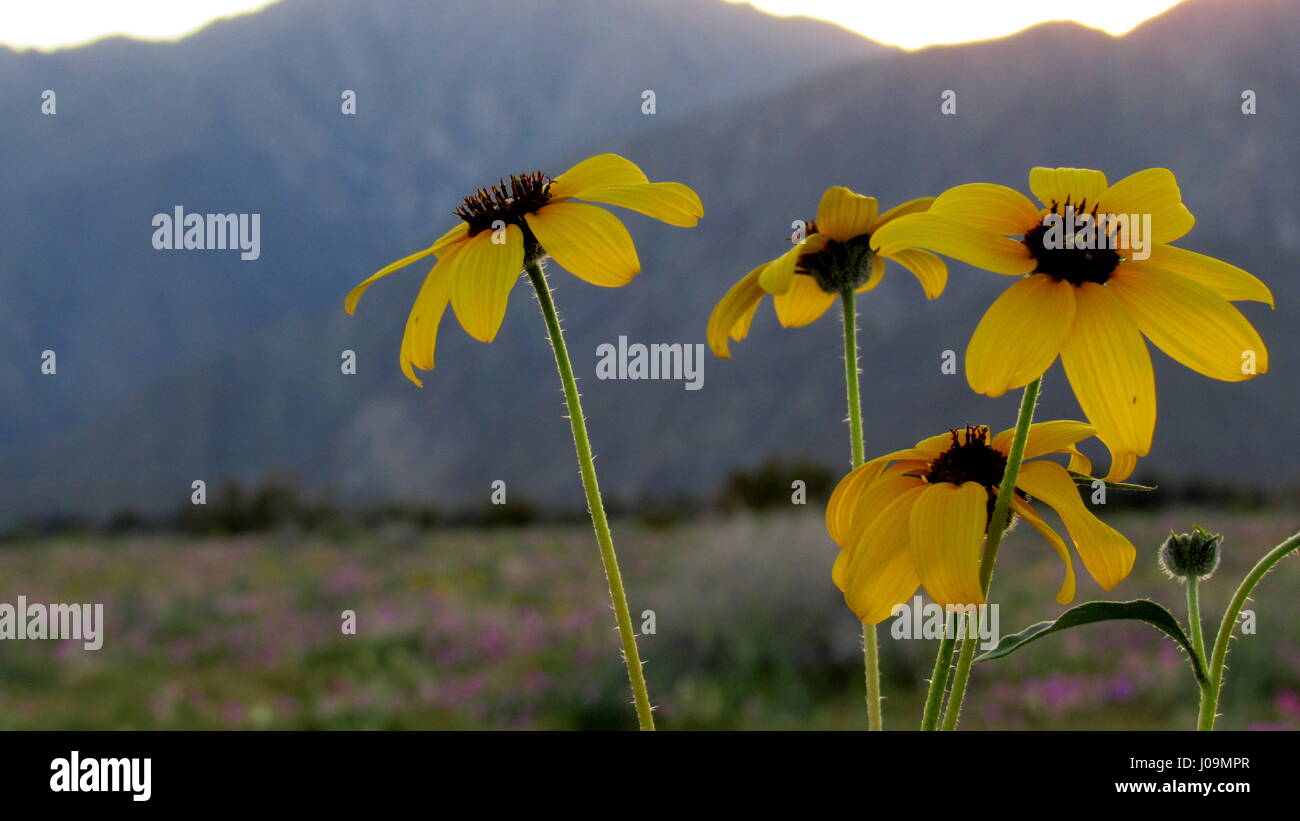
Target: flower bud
x=1192, y=555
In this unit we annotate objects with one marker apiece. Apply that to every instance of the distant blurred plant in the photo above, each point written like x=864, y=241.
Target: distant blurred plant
x=768, y=485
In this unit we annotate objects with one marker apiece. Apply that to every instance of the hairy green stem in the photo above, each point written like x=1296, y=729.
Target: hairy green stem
x=587, y=467
x=1210, y=692
x=997, y=526
x=870, y=651
x=1194, y=619
x=939, y=678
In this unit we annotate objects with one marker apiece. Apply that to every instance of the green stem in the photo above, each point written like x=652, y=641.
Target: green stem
x=1194, y=619
x=587, y=467
x=870, y=651
x=997, y=526
x=1210, y=692
x=851, y=377
x=939, y=678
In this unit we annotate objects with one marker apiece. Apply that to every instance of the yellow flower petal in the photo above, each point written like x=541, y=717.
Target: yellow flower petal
x=943, y=235
x=1191, y=323
x=877, y=495
x=481, y=280
x=778, y=274
x=843, y=215
x=354, y=296
x=803, y=303
x=602, y=169
x=916, y=206
x=457, y=234
x=733, y=314
x=878, y=572
x=1106, y=554
x=587, y=241
x=1055, y=185
x=1153, y=191
x=1057, y=436
x=421, y=332
x=945, y=531
x=1020, y=335
x=669, y=202
x=928, y=269
x=844, y=500
x=1228, y=281
x=1066, y=594
x=990, y=207
x=1109, y=370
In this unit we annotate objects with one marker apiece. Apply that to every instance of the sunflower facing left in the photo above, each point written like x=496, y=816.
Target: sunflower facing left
x=517, y=223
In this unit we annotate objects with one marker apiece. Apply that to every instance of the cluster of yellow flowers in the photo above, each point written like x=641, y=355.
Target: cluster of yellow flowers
x=925, y=515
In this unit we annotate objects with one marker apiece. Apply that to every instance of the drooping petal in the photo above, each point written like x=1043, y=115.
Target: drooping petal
x=1228, y=281
x=602, y=169
x=734, y=313
x=1066, y=594
x=878, y=572
x=928, y=269
x=481, y=280
x=945, y=531
x=669, y=202
x=1020, y=335
x=1191, y=323
x=990, y=207
x=587, y=241
x=803, y=303
x=877, y=495
x=1109, y=370
x=778, y=274
x=1058, y=436
x=1055, y=185
x=916, y=206
x=843, y=215
x=944, y=235
x=1152, y=191
x=848, y=492
x=354, y=296
x=421, y=332
x=456, y=235
x=1106, y=554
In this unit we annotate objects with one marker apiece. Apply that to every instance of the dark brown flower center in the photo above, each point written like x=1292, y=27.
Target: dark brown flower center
x=505, y=203
x=1063, y=260
x=839, y=266
x=972, y=460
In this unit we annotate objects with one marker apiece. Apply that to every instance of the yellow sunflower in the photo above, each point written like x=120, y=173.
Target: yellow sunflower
x=918, y=517
x=837, y=252
x=518, y=222
x=1089, y=303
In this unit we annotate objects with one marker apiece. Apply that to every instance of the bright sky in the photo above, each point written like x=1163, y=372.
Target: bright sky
x=53, y=23
x=906, y=23
x=915, y=24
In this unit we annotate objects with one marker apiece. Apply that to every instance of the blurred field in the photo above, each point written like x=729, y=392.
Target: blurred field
x=510, y=628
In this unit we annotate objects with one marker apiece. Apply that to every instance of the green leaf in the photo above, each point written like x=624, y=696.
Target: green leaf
x=1085, y=479
x=1092, y=612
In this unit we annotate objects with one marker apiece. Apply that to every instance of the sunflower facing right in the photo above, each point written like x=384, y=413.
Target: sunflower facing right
x=1095, y=272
